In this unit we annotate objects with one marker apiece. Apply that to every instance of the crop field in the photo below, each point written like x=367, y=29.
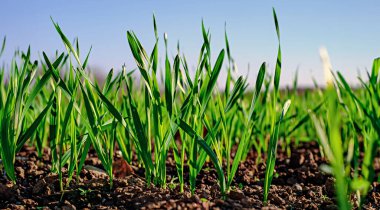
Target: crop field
x=164, y=135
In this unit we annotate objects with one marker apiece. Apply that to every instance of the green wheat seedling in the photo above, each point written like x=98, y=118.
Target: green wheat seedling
x=249, y=123
x=339, y=138
x=368, y=113
x=275, y=127
x=332, y=145
x=158, y=115
x=272, y=150
x=16, y=128
x=102, y=115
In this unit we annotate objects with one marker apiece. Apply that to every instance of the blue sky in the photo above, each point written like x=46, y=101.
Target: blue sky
x=350, y=30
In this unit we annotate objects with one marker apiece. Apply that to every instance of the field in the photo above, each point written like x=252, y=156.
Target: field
x=164, y=135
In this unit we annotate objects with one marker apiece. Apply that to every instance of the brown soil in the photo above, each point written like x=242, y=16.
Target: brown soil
x=298, y=184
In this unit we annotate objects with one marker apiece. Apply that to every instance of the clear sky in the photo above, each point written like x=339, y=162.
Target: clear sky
x=349, y=29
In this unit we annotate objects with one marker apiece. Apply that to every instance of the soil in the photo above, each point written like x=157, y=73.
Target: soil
x=298, y=184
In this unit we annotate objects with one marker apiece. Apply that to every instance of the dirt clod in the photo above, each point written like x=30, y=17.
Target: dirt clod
x=39, y=186
x=236, y=195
